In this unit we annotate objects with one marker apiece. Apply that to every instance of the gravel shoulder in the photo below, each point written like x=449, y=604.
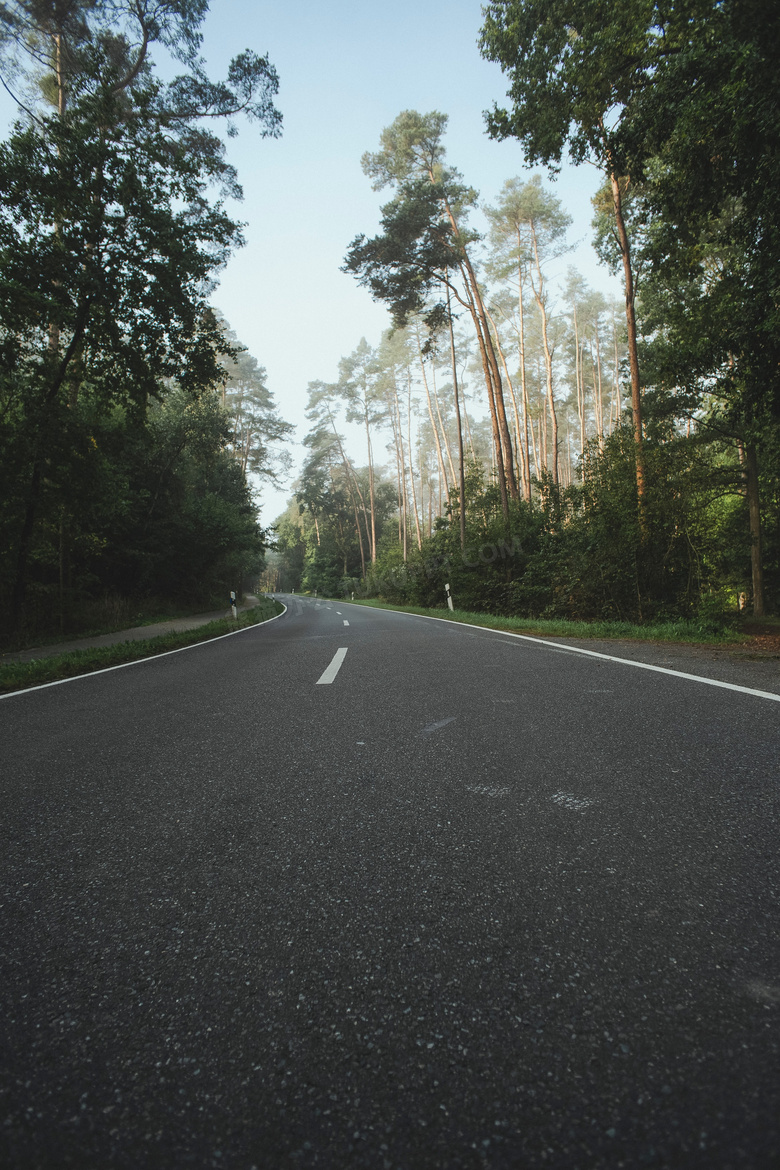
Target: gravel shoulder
x=755, y=664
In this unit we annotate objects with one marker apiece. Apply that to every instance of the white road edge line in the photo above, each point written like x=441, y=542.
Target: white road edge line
x=328, y=675
x=710, y=682
x=138, y=661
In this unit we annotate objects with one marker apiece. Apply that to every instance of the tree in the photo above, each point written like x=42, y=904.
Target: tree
x=256, y=425
x=576, y=67
x=321, y=411
x=358, y=386
x=706, y=142
x=424, y=247
x=108, y=241
x=530, y=224
x=190, y=524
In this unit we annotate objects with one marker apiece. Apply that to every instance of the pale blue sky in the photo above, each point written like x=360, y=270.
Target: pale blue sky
x=346, y=69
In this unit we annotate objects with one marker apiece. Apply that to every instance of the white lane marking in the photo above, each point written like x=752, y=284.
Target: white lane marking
x=763, y=992
x=328, y=675
x=138, y=661
x=710, y=682
x=435, y=726
x=570, y=801
x=346, y=623
x=486, y=790
x=338, y=611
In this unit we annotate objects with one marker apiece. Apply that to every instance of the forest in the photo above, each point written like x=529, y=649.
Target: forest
x=130, y=414
x=537, y=448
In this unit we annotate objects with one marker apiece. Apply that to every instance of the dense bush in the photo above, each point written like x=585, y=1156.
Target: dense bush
x=134, y=507
x=581, y=552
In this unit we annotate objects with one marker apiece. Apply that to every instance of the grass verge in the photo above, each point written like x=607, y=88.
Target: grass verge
x=115, y=618
x=16, y=676
x=702, y=633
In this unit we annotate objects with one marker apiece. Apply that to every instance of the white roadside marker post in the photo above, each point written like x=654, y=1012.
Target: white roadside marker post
x=233, y=603
x=449, y=596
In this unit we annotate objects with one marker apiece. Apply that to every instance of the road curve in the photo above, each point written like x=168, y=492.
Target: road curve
x=356, y=889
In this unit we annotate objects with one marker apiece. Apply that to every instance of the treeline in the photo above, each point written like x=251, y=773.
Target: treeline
x=130, y=417
x=399, y=399
x=631, y=469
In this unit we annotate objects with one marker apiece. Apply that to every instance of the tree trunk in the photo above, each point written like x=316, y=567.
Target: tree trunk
x=444, y=435
x=492, y=405
x=476, y=307
x=351, y=477
x=598, y=404
x=411, y=461
x=618, y=403
x=600, y=389
x=461, y=469
x=469, y=435
x=580, y=386
x=633, y=353
x=538, y=290
x=495, y=375
x=521, y=354
x=522, y=454
x=403, y=527
x=434, y=428
x=372, y=504
x=396, y=422
x=750, y=473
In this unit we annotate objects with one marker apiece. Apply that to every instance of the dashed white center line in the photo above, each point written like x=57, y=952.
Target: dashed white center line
x=346, y=623
x=328, y=675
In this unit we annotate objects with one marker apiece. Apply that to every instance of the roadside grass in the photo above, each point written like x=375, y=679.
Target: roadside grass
x=704, y=632
x=15, y=676
x=108, y=617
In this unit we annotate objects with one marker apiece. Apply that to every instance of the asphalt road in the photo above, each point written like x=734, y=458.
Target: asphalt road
x=475, y=902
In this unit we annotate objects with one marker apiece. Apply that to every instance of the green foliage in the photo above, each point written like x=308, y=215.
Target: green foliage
x=256, y=428
x=409, y=263
x=574, y=67
x=578, y=553
x=316, y=544
x=705, y=137
x=524, y=218
x=109, y=239
x=137, y=506
x=681, y=98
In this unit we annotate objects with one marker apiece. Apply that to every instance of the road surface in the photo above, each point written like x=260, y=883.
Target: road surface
x=361, y=889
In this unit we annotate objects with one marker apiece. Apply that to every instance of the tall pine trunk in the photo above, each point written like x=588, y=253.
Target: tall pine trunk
x=538, y=290
x=521, y=451
x=633, y=351
x=750, y=476
x=461, y=468
x=434, y=428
